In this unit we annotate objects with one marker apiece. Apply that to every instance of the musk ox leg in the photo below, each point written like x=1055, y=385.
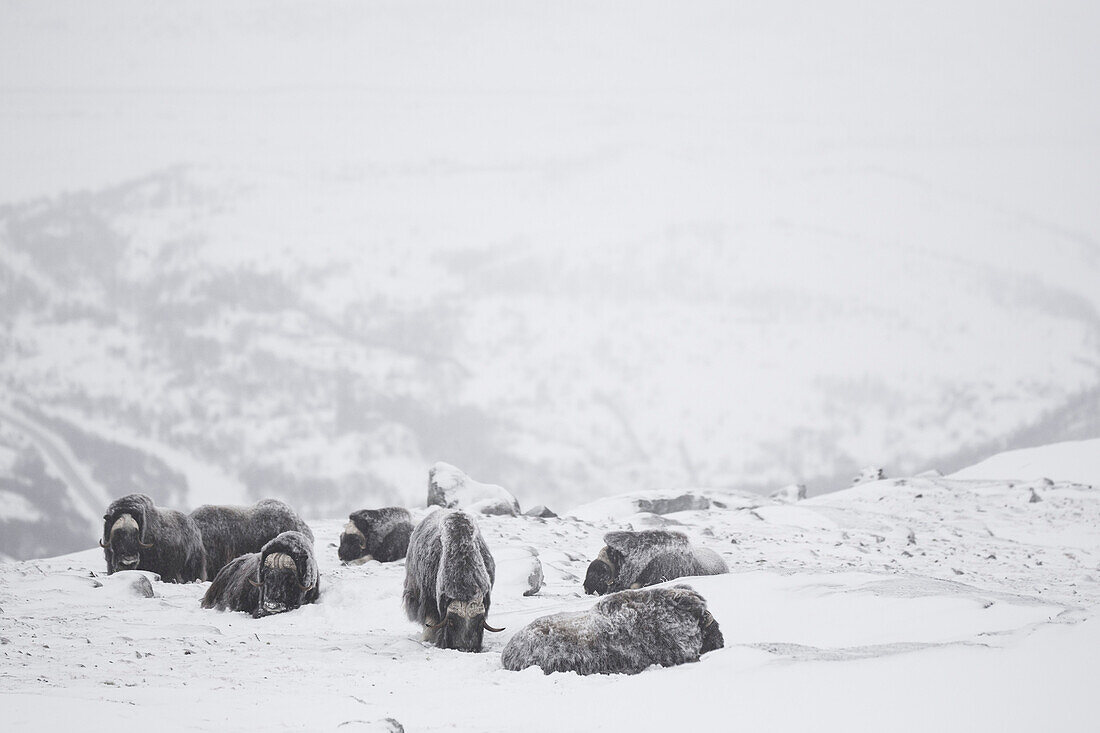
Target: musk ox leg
x=431, y=630
x=195, y=570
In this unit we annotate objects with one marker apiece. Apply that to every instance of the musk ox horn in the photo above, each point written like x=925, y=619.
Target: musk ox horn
x=104, y=545
x=146, y=546
x=437, y=624
x=253, y=582
x=485, y=624
x=307, y=587
x=351, y=529
x=280, y=560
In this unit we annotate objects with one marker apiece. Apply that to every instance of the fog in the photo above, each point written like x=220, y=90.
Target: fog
x=306, y=250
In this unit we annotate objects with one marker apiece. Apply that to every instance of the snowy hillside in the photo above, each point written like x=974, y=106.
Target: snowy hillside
x=905, y=605
x=1077, y=461
x=307, y=249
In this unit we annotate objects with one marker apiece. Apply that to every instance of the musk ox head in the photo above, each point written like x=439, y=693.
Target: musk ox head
x=712, y=635
x=123, y=540
x=353, y=544
x=280, y=585
x=462, y=627
x=287, y=574
x=601, y=572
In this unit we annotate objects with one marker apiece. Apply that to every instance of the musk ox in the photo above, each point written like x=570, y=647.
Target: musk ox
x=280, y=577
x=137, y=535
x=231, y=531
x=637, y=559
x=448, y=576
x=623, y=633
x=378, y=534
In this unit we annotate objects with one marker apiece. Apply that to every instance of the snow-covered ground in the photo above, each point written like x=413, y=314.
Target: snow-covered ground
x=1077, y=460
x=912, y=604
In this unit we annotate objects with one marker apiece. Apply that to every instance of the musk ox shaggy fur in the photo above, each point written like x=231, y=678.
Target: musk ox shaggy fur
x=282, y=576
x=638, y=559
x=449, y=574
x=625, y=632
x=231, y=531
x=137, y=535
x=376, y=534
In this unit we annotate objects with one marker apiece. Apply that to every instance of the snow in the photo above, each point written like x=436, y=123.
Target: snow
x=206, y=483
x=86, y=494
x=906, y=604
x=449, y=486
x=1070, y=461
x=619, y=507
x=17, y=507
x=790, y=493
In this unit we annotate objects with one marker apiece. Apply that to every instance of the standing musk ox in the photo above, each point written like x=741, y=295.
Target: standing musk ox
x=639, y=559
x=448, y=576
x=139, y=536
x=376, y=534
x=231, y=531
x=280, y=577
x=623, y=633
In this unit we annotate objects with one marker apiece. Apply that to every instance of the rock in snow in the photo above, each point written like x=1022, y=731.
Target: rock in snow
x=518, y=569
x=450, y=488
x=868, y=474
x=681, y=503
x=790, y=494
x=130, y=584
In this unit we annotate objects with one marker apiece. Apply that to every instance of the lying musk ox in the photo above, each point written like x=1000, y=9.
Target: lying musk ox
x=639, y=559
x=139, y=536
x=280, y=577
x=448, y=576
x=623, y=633
x=231, y=531
x=376, y=534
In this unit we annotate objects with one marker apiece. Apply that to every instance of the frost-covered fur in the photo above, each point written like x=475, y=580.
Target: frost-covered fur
x=232, y=531
x=449, y=574
x=280, y=577
x=639, y=559
x=623, y=633
x=137, y=535
x=378, y=534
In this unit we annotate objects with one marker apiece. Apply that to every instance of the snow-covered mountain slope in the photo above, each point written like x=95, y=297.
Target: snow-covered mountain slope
x=314, y=249
x=1077, y=460
x=58, y=478
x=904, y=604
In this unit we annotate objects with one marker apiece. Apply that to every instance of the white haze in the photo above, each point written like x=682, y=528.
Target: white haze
x=575, y=249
